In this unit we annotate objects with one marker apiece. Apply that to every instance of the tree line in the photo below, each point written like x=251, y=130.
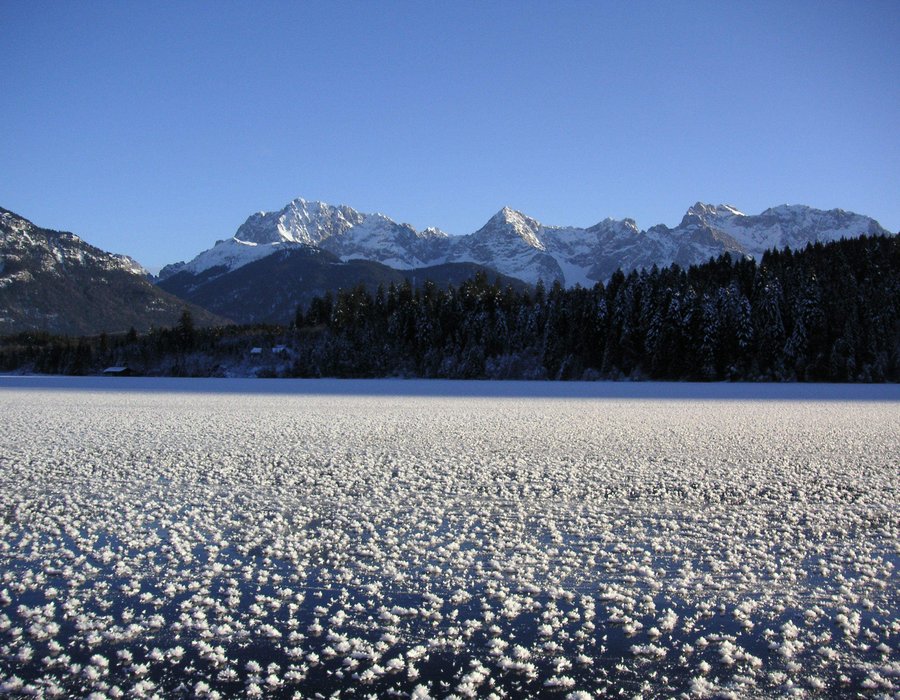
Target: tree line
x=825, y=313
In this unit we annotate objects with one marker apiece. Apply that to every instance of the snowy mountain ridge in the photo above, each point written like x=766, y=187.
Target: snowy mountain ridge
x=20, y=238
x=517, y=245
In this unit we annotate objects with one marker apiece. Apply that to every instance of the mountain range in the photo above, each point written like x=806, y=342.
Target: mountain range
x=277, y=261
x=518, y=246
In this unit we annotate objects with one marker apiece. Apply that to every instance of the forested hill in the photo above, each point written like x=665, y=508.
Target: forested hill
x=827, y=313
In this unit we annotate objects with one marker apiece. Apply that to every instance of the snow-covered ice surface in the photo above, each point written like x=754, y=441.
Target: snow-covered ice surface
x=197, y=538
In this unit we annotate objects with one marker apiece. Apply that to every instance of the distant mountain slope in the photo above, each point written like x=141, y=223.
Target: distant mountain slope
x=53, y=281
x=519, y=246
x=270, y=288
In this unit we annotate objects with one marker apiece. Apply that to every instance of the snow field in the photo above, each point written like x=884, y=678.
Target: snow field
x=217, y=545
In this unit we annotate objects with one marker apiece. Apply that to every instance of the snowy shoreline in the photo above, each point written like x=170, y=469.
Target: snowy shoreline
x=450, y=388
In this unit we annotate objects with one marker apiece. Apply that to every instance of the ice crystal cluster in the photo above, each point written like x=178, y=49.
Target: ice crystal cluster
x=223, y=545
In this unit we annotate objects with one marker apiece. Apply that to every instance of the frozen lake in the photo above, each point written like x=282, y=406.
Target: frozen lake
x=266, y=538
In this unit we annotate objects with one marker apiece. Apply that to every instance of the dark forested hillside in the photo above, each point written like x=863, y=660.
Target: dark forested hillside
x=826, y=313
x=268, y=290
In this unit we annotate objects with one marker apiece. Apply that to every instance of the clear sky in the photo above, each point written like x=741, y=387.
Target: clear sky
x=156, y=128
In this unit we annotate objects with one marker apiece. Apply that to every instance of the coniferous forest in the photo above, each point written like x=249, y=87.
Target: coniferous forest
x=826, y=313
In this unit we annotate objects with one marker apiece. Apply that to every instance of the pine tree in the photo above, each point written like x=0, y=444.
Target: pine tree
x=768, y=325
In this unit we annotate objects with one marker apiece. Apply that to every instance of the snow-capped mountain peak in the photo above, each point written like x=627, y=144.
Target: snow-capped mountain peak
x=509, y=222
x=338, y=229
x=701, y=209
x=710, y=214
x=625, y=227
x=301, y=221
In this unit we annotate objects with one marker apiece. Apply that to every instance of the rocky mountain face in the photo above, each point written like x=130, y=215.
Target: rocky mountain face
x=518, y=246
x=55, y=282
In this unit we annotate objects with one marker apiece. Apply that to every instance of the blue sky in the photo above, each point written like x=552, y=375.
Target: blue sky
x=156, y=128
